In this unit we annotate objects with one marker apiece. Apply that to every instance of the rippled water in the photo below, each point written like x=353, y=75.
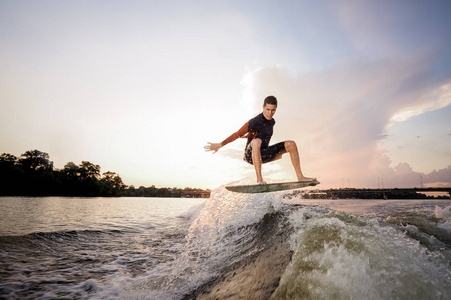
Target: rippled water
x=22, y=215
x=232, y=246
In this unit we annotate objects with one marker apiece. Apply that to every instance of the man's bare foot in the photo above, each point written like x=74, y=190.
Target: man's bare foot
x=303, y=178
x=261, y=182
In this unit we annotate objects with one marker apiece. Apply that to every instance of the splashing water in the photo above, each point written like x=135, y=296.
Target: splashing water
x=236, y=246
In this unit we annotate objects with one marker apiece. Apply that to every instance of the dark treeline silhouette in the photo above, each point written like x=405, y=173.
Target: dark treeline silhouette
x=152, y=191
x=33, y=174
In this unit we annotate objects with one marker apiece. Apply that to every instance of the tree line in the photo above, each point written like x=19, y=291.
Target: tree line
x=33, y=174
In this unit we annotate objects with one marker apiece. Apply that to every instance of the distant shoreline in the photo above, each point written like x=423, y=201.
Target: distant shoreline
x=33, y=175
x=385, y=194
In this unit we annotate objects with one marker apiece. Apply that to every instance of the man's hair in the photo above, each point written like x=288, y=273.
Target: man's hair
x=270, y=100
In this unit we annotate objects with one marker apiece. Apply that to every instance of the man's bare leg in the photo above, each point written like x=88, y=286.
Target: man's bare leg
x=291, y=148
x=257, y=159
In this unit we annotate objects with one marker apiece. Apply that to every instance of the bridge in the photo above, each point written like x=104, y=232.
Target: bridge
x=393, y=193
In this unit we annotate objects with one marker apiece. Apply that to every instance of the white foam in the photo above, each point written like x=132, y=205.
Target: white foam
x=357, y=258
x=444, y=214
x=223, y=213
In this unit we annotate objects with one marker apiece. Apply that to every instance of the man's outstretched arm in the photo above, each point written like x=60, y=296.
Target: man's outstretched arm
x=216, y=146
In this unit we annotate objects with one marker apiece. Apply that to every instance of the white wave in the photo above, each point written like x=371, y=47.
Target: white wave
x=219, y=230
x=445, y=215
x=340, y=256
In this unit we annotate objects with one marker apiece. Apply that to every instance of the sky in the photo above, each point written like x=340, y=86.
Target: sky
x=139, y=87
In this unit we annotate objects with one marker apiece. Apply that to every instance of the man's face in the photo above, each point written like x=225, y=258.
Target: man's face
x=269, y=110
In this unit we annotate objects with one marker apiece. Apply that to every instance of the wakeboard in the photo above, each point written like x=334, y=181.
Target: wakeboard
x=271, y=187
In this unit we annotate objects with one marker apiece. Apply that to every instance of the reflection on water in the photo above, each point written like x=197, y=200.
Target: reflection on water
x=23, y=215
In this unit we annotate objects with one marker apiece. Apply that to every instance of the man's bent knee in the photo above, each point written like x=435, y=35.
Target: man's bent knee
x=256, y=143
x=290, y=146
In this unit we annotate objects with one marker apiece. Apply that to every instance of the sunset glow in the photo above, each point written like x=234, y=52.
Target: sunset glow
x=139, y=87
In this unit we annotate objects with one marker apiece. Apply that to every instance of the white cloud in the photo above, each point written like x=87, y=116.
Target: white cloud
x=441, y=177
x=439, y=98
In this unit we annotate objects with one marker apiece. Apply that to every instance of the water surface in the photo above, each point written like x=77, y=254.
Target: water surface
x=229, y=246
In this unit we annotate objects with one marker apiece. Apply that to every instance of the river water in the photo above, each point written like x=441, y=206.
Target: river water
x=230, y=246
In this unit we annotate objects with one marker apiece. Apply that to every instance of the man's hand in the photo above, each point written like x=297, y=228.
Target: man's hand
x=213, y=147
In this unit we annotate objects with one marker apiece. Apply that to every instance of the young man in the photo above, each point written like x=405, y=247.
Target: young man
x=258, y=132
